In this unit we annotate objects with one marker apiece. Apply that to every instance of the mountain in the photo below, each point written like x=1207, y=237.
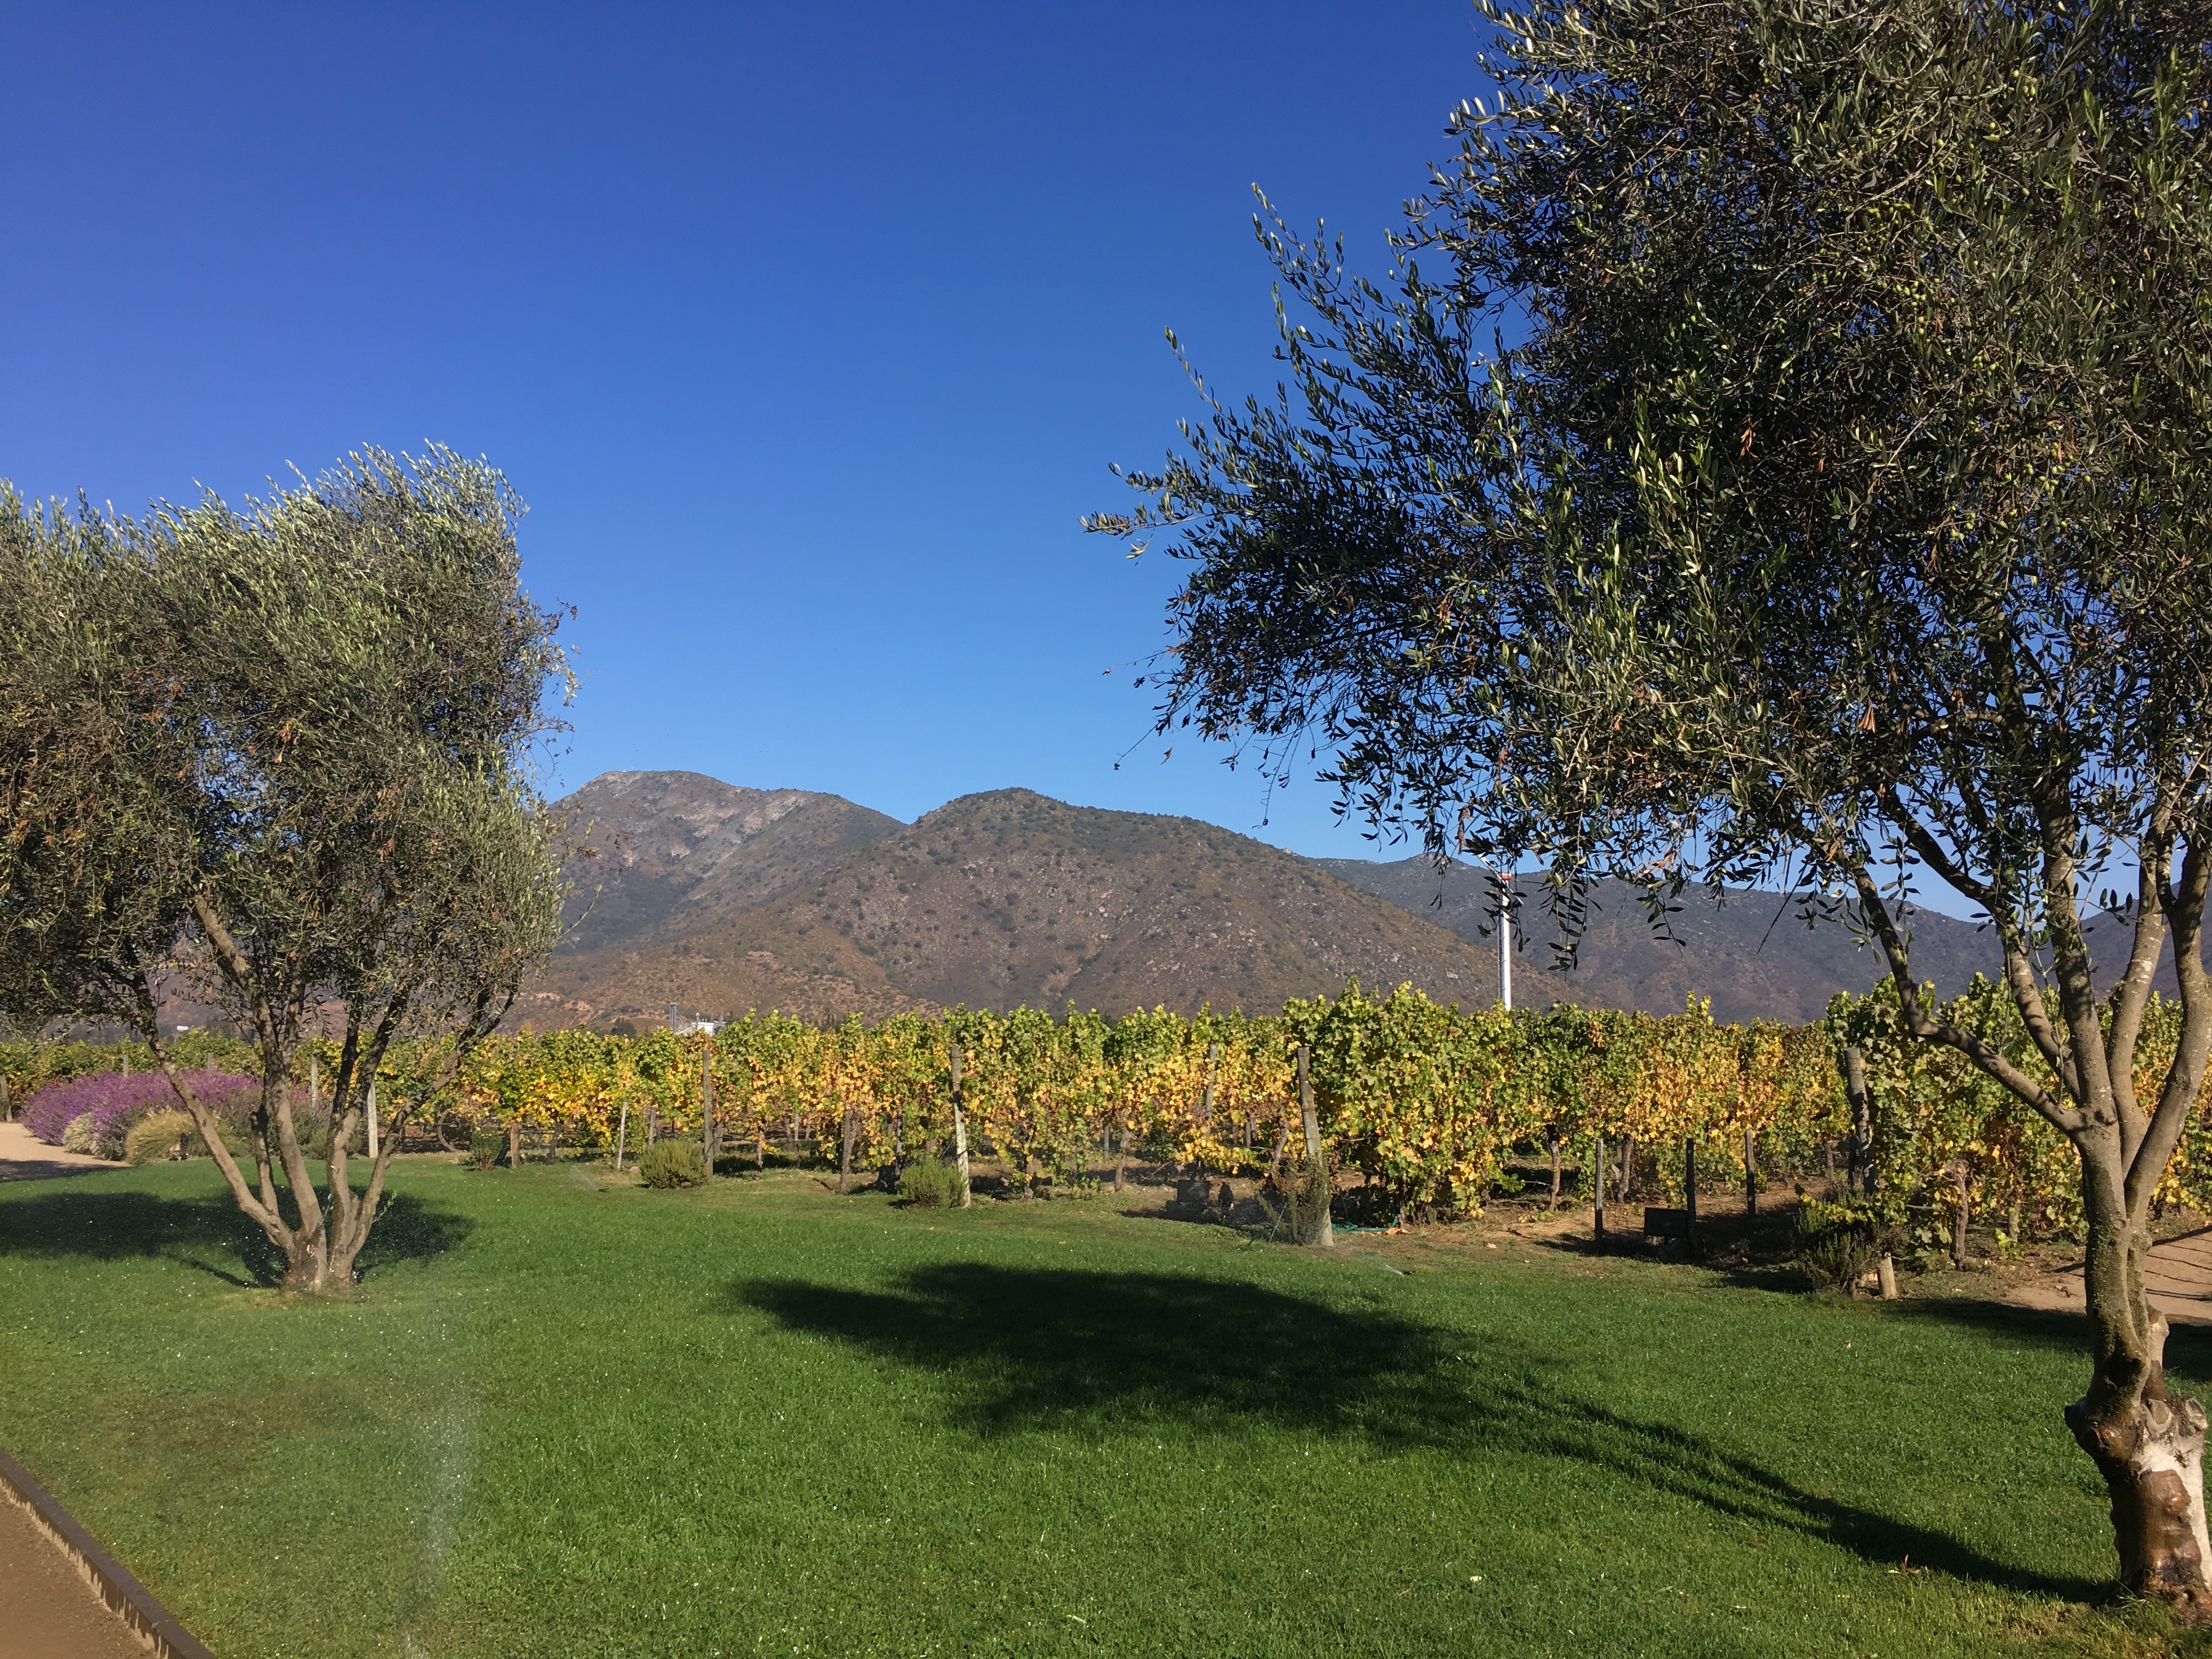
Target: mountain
x=721, y=899
x=1009, y=898
x=662, y=855
x=1745, y=949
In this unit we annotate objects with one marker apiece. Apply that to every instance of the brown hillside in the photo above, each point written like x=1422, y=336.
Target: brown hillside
x=1008, y=897
x=670, y=853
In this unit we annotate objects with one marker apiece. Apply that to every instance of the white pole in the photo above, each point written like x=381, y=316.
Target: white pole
x=371, y=1120
x=960, y=1131
x=1506, y=943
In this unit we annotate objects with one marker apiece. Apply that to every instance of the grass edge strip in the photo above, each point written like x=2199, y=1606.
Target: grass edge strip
x=153, y=1623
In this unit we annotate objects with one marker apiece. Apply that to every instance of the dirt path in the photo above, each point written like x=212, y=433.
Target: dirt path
x=2178, y=1279
x=47, y=1608
x=24, y=1157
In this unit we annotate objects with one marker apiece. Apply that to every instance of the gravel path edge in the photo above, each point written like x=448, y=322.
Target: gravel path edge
x=153, y=1624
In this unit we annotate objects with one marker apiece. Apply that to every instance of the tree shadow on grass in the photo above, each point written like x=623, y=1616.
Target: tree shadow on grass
x=2060, y=1330
x=207, y=1232
x=1025, y=1349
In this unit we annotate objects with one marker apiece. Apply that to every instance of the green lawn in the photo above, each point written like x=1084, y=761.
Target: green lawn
x=563, y=1420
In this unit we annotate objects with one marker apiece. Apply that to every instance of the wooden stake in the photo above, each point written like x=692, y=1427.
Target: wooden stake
x=1206, y=1102
x=960, y=1131
x=1750, y=1174
x=1327, y=1236
x=1861, y=1101
x=622, y=1134
x=707, y=1105
x=1965, y=1178
x=1689, y=1196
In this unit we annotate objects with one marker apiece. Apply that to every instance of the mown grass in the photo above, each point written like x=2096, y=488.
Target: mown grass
x=761, y=1420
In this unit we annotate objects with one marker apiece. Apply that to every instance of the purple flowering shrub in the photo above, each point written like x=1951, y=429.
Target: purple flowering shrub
x=116, y=1102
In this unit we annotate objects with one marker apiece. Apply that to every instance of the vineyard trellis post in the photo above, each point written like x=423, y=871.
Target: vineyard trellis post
x=1690, y=1194
x=960, y=1131
x=1855, y=1089
x=1326, y=1236
x=1964, y=1174
x=848, y=1131
x=1861, y=1172
x=622, y=1134
x=1206, y=1103
x=706, y=1104
x=1597, y=1189
x=1750, y=1172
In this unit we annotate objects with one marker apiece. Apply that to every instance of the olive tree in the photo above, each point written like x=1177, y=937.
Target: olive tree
x=1780, y=452
x=282, y=752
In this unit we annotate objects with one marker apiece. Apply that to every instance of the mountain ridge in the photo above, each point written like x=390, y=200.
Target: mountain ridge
x=661, y=854
x=1008, y=897
x=720, y=899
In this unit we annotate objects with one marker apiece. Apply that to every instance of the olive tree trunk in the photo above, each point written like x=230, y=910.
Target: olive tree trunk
x=328, y=1229
x=2148, y=1444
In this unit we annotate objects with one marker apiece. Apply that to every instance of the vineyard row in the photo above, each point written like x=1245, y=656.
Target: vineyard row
x=1428, y=1104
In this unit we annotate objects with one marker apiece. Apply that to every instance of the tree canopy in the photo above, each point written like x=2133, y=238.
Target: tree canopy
x=283, y=752
x=1780, y=452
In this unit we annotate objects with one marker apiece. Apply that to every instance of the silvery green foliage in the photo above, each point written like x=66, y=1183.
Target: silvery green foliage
x=285, y=752
x=1780, y=451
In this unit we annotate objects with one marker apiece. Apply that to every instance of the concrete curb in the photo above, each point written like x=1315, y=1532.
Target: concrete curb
x=153, y=1623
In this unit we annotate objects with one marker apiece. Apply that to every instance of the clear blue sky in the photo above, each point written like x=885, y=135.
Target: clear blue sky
x=806, y=331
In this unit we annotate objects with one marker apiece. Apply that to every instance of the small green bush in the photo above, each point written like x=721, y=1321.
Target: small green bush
x=1839, y=1243
x=156, y=1136
x=673, y=1164
x=932, y=1184
x=485, y=1147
